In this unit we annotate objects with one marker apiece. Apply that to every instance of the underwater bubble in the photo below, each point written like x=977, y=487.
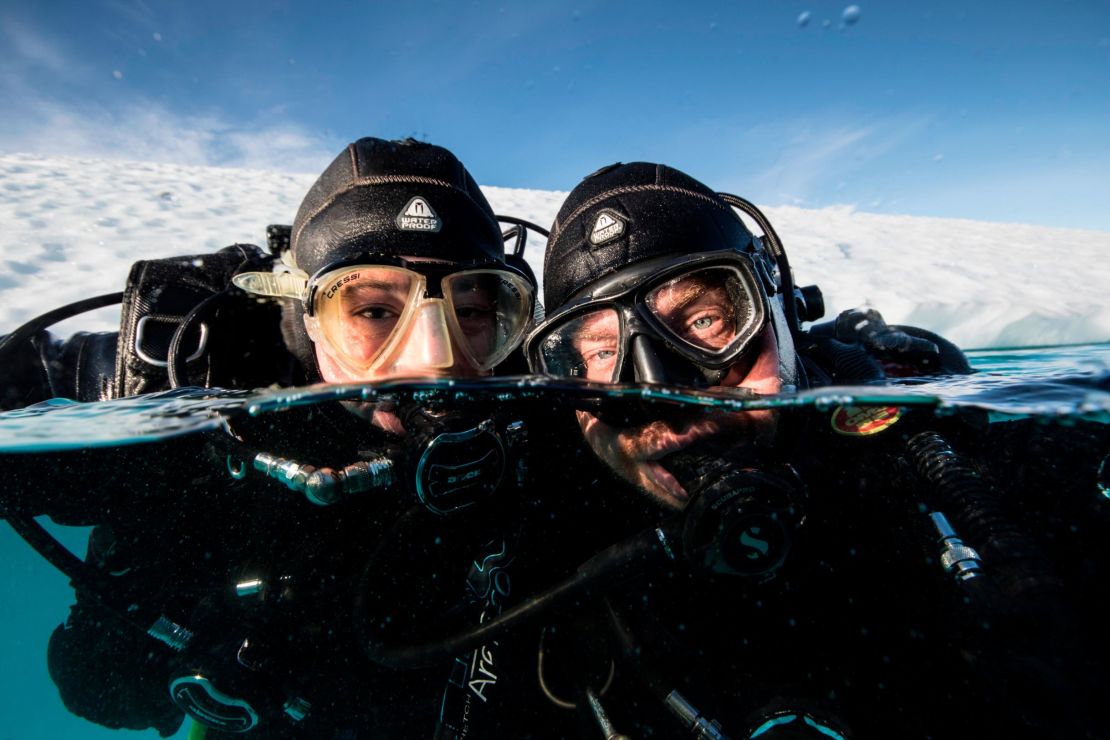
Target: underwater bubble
x=157, y=36
x=826, y=23
x=850, y=15
x=117, y=74
x=803, y=18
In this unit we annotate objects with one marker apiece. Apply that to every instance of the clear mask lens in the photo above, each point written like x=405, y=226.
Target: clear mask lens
x=586, y=346
x=489, y=312
x=710, y=309
x=360, y=310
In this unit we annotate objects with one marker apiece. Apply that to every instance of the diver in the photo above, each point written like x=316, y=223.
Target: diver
x=651, y=277
x=395, y=267
x=814, y=603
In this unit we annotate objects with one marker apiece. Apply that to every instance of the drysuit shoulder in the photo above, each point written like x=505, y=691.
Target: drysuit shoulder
x=44, y=367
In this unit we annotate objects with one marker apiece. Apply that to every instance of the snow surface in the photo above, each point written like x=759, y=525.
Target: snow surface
x=73, y=227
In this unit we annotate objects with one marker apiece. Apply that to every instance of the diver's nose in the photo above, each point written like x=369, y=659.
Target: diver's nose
x=427, y=346
x=651, y=365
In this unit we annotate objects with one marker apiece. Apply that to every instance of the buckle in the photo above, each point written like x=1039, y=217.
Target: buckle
x=141, y=328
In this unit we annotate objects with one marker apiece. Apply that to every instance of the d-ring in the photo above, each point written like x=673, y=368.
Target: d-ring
x=547, y=690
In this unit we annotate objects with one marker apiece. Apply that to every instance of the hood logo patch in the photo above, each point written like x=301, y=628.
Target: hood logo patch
x=418, y=216
x=607, y=227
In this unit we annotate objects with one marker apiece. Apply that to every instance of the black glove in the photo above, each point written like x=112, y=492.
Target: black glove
x=867, y=326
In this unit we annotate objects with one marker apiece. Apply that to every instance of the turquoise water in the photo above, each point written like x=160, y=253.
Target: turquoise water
x=1057, y=384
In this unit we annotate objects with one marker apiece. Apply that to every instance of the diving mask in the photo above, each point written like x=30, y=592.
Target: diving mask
x=705, y=307
x=391, y=316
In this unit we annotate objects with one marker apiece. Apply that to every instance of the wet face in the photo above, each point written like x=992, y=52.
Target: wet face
x=634, y=453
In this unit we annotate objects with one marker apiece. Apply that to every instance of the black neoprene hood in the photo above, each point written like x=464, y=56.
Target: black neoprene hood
x=359, y=204
x=625, y=213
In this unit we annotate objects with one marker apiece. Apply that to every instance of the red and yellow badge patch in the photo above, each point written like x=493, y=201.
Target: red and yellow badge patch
x=860, y=421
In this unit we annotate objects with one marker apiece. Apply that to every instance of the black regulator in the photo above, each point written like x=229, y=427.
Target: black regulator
x=742, y=516
x=445, y=461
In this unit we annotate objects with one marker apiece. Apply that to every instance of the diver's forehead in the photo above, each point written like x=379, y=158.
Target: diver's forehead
x=600, y=322
x=685, y=289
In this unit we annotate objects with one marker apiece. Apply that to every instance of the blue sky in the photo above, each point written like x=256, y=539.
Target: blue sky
x=984, y=110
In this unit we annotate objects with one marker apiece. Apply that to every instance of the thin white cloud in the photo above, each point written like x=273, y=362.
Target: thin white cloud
x=147, y=131
x=28, y=48
x=821, y=153
x=45, y=115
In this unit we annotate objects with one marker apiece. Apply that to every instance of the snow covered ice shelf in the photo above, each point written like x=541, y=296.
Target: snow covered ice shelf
x=73, y=227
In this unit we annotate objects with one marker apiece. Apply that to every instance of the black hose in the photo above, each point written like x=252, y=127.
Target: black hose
x=633, y=651
x=83, y=576
x=522, y=232
x=786, y=275
x=1017, y=563
x=37, y=324
x=602, y=570
x=73, y=567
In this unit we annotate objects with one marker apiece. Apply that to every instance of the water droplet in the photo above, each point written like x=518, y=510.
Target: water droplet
x=117, y=74
x=803, y=18
x=850, y=15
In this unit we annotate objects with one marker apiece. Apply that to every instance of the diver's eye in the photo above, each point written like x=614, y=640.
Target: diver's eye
x=704, y=322
x=377, y=313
